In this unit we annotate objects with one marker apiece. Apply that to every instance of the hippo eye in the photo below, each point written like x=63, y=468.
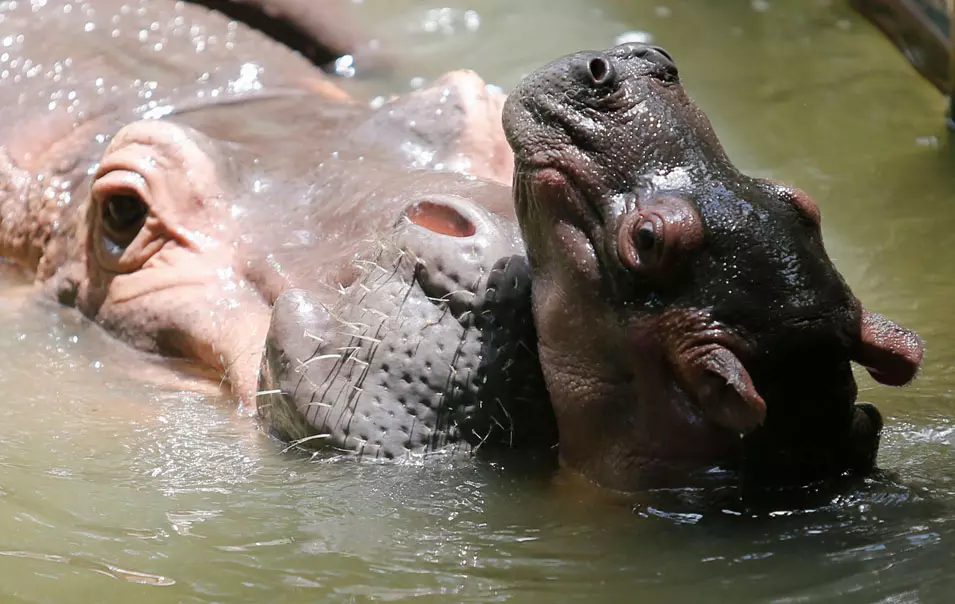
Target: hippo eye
x=645, y=238
x=123, y=217
x=641, y=243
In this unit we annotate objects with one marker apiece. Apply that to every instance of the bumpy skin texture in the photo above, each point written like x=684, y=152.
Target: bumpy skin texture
x=679, y=303
x=431, y=345
x=171, y=175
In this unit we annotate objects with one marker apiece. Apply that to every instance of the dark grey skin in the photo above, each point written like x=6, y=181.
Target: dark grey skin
x=172, y=185
x=680, y=304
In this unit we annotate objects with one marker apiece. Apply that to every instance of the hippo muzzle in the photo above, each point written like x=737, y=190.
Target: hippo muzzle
x=427, y=347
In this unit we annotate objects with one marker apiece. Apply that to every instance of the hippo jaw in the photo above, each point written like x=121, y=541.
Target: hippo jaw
x=680, y=304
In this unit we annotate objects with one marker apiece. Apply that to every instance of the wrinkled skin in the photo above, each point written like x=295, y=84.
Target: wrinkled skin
x=172, y=186
x=679, y=303
x=321, y=30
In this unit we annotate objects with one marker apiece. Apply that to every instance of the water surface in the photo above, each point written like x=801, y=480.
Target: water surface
x=116, y=488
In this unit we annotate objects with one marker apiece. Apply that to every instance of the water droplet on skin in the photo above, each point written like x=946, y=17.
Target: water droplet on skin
x=345, y=66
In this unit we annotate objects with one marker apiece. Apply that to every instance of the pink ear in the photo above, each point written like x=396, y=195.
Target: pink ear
x=891, y=353
x=725, y=391
x=441, y=218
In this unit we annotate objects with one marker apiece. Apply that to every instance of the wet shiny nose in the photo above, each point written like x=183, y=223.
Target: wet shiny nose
x=662, y=63
x=647, y=52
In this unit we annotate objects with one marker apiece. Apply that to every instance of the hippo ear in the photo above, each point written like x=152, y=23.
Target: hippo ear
x=726, y=393
x=891, y=353
x=442, y=218
x=723, y=388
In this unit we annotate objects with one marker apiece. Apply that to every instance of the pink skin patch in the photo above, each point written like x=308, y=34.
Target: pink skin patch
x=891, y=353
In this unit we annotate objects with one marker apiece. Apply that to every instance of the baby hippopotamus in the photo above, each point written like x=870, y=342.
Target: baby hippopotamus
x=679, y=303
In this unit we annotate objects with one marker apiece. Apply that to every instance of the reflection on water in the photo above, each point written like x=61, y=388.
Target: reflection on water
x=114, y=488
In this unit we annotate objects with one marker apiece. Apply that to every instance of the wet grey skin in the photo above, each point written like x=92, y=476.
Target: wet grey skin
x=680, y=304
x=172, y=176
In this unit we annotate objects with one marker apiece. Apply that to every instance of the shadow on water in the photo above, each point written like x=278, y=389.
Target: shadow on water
x=115, y=488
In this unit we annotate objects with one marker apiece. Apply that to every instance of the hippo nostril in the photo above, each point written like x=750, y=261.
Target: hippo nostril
x=663, y=52
x=601, y=71
x=662, y=65
x=441, y=218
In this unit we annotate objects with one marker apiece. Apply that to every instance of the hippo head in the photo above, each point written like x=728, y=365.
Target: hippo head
x=679, y=303
x=190, y=227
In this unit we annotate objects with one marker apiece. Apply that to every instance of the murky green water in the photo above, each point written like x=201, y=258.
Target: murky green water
x=112, y=489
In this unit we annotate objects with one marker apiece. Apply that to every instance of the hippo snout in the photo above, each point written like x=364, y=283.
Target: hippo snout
x=604, y=69
x=428, y=348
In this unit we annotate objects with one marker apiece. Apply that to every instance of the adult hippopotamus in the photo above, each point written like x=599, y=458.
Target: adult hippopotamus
x=170, y=173
x=678, y=306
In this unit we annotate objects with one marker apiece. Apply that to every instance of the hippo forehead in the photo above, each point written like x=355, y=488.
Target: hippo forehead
x=763, y=261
